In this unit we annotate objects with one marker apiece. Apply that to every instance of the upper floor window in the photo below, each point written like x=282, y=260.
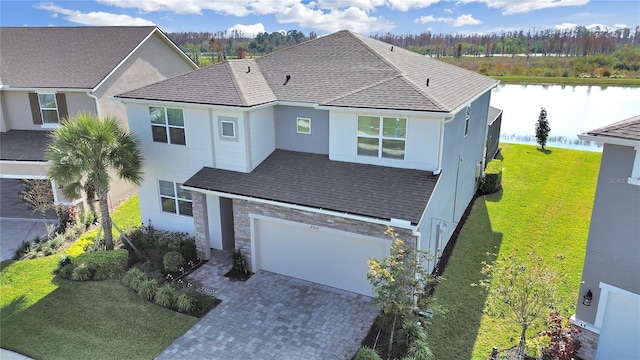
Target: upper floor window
x=382, y=137
x=303, y=125
x=228, y=127
x=48, y=108
x=167, y=125
x=467, y=117
x=174, y=199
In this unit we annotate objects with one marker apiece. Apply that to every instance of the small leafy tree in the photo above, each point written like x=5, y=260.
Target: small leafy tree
x=542, y=128
x=38, y=196
x=399, y=281
x=521, y=290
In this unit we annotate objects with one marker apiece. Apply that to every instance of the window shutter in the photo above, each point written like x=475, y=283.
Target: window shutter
x=63, y=112
x=35, y=108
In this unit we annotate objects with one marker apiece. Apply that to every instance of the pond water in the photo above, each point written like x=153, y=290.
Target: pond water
x=571, y=110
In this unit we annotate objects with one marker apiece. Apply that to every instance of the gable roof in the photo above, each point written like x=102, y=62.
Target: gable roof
x=81, y=56
x=341, y=69
x=625, y=130
x=315, y=181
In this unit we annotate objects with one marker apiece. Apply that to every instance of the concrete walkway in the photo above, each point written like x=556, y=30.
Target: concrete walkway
x=273, y=316
x=10, y=355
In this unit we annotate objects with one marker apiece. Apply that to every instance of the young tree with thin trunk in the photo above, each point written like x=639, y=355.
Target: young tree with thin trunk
x=523, y=291
x=84, y=150
x=542, y=128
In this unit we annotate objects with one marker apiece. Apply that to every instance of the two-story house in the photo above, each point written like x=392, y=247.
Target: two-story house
x=608, y=308
x=303, y=157
x=50, y=73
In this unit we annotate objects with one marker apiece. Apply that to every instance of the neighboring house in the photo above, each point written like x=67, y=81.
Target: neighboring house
x=608, y=309
x=494, y=122
x=50, y=73
x=303, y=157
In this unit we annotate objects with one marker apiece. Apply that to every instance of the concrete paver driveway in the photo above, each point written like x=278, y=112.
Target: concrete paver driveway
x=273, y=316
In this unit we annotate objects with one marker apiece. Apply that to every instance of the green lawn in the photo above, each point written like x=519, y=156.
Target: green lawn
x=545, y=206
x=49, y=318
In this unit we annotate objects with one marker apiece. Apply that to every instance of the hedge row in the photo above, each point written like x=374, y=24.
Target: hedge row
x=96, y=265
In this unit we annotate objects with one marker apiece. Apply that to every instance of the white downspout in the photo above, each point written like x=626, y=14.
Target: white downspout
x=95, y=98
x=441, y=147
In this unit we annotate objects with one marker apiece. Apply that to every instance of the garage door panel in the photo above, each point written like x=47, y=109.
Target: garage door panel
x=620, y=332
x=329, y=257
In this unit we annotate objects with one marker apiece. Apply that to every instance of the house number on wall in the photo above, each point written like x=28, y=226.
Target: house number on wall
x=314, y=227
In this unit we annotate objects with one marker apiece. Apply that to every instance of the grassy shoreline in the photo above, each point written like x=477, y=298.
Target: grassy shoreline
x=568, y=81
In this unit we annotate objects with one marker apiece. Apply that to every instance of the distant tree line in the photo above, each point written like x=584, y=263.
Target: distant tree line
x=579, y=41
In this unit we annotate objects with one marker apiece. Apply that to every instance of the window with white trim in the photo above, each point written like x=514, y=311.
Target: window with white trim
x=175, y=200
x=48, y=108
x=467, y=117
x=382, y=137
x=167, y=125
x=303, y=125
x=228, y=128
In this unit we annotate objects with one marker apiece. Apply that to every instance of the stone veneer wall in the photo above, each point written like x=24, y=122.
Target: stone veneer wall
x=588, y=342
x=242, y=224
x=201, y=224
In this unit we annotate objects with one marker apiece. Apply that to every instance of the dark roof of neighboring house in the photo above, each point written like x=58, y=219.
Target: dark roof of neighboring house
x=341, y=69
x=493, y=114
x=24, y=145
x=65, y=57
x=628, y=129
x=315, y=181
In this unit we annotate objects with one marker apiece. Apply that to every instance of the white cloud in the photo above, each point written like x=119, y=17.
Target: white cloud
x=594, y=26
x=350, y=18
x=565, y=26
x=462, y=20
x=94, y=18
x=248, y=30
x=225, y=7
x=430, y=18
x=466, y=19
x=620, y=26
x=448, y=10
x=406, y=5
x=510, y=7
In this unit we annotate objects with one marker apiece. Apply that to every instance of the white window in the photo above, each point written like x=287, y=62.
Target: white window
x=467, y=117
x=303, y=125
x=175, y=200
x=167, y=125
x=48, y=108
x=228, y=127
x=382, y=137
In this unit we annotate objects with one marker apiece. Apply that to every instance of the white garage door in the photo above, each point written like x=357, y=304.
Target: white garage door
x=324, y=256
x=620, y=332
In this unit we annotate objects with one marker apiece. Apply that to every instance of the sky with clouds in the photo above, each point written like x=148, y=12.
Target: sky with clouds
x=326, y=16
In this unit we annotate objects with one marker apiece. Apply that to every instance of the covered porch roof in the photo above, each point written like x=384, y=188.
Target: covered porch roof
x=313, y=180
x=24, y=145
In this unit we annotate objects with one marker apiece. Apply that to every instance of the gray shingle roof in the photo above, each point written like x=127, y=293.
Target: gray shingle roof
x=493, y=114
x=628, y=129
x=24, y=145
x=64, y=57
x=341, y=69
x=315, y=181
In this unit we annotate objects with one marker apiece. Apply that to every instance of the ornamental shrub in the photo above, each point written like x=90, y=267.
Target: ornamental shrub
x=147, y=289
x=492, y=179
x=172, y=261
x=166, y=296
x=105, y=264
x=133, y=278
x=184, y=303
x=367, y=353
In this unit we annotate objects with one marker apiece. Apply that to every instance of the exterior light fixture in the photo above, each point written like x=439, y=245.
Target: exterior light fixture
x=586, y=300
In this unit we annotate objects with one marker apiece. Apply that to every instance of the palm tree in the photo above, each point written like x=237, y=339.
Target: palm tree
x=84, y=150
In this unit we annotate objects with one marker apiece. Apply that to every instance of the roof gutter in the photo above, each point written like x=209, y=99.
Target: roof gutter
x=42, y=90
x=95, y=98
x=609, y=140
x=178, y=104
x=395, y=223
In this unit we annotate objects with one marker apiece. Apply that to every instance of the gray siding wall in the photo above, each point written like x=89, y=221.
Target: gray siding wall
x=17, y=111
x=457, y=183
x=287, y=137
x=154, y=61
x=613, y=246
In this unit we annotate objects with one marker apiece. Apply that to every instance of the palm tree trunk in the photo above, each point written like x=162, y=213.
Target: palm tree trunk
x=105, y=219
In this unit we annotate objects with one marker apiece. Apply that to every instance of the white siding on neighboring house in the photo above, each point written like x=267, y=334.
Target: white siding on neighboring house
x=262, y=134
x=168, y=162
x=421, y=147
